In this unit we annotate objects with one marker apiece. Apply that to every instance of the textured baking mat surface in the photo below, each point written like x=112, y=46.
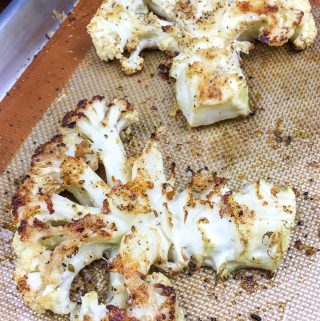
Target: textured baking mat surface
x=280, y=142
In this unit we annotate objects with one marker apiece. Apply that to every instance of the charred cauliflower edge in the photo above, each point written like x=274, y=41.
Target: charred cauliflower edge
x=208, y=37
x=135, y=220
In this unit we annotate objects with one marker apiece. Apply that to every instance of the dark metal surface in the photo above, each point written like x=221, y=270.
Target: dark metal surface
x=25, y=26
x=4, y=4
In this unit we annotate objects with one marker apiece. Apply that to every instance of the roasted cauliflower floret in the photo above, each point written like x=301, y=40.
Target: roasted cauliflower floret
x=246, y=228
x=102, y=129
x=57, y=237
x=208, y=37
x=135, y=220
x=127, y=25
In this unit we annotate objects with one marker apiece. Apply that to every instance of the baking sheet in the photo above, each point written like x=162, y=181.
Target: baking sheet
x=25, y=27
x=279, y=142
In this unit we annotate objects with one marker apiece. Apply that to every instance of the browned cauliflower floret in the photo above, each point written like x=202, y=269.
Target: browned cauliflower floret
x=135, y=219
x=208, y=37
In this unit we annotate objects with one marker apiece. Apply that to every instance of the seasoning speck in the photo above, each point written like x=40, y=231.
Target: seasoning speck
x=71, y=268
x=255, y=317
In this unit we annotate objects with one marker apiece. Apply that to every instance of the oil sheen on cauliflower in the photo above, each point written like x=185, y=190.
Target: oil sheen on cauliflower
x=208, y=37
x=135, y=219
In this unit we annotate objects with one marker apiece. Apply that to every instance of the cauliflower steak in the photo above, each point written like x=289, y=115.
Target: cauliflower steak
x=208, y=37
x=134, y=219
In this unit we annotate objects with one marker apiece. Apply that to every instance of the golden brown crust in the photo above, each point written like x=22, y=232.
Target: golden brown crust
x=133, y=196
x=141, y=289
x=90, y=225
x=22, y=284
x=44, y=157
x=202, y=180
x=53, y=149
x=185, y=7
x=83, y=229
x=270, y=35
x=19, y=199
x=70, y=119
x=259, y=7
x=72, y=168
x=211, y=83
x=230, y=208
x=116, y=314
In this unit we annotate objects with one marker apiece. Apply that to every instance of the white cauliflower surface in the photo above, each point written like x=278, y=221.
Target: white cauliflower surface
x=135, y=219
x=208, y=37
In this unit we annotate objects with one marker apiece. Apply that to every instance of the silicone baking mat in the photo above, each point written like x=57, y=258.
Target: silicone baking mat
x=280, y=142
